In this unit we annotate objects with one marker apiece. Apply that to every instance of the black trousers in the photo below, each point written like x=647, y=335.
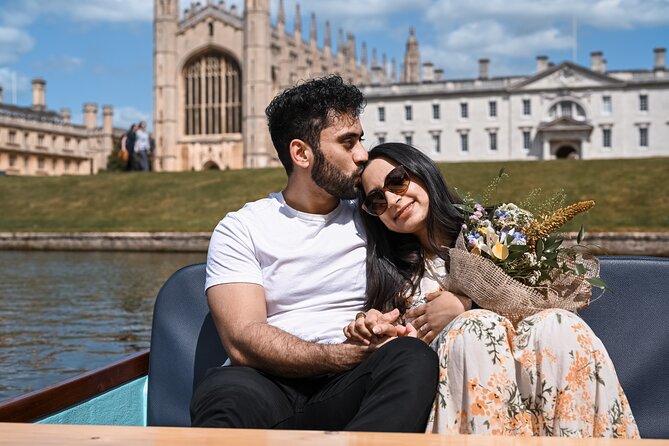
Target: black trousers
x=391, y=391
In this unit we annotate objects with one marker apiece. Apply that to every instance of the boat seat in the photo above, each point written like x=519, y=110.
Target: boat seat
x=184, y=345
x=632, y=321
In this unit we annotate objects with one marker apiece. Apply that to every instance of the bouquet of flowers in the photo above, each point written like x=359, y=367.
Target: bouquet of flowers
x=507, y=260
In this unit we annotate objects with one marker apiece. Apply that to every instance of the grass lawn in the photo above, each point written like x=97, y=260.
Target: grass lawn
x=630, y=194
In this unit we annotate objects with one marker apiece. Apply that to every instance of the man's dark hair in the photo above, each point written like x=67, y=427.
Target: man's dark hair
x=303, y=111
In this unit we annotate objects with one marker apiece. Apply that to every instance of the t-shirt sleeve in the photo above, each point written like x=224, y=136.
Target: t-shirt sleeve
x=231, y=257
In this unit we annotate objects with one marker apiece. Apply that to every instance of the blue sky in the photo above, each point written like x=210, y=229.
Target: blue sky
x=101, y=50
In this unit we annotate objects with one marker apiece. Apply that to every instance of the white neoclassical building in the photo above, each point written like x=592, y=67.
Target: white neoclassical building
x=37, y=141
x=562, y=110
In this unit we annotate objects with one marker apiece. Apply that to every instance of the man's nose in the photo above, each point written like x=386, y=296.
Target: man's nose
x=360, y=154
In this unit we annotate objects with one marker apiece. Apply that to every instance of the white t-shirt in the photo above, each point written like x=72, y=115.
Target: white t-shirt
x=312, y=267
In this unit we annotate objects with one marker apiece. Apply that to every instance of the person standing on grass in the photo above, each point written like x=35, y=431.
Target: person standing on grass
x=286, y=272
x=142, y=147
x=128, y=142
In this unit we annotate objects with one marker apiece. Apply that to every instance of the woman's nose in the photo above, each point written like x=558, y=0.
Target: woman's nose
x=392, y=198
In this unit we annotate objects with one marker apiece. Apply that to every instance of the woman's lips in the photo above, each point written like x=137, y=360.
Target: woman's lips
x=404, y=210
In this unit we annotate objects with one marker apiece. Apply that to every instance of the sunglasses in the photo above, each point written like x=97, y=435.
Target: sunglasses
x=397, y=181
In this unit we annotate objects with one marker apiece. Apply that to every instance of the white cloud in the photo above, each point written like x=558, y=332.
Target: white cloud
x=67, y=64
x=124, y=116
x=13, y=43
x=25, y=12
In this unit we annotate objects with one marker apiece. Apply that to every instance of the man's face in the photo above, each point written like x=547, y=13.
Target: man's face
x=339, y=160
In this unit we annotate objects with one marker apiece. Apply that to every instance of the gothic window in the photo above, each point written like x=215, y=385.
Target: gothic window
x=213, y=96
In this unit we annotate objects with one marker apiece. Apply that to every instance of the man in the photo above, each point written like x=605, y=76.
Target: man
x=285, y=274
x=142, y=146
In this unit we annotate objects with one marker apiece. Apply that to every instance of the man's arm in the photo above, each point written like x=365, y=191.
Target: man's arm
x=239, y=312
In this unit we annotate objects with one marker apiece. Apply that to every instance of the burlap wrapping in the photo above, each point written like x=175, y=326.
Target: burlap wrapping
x=491, y=288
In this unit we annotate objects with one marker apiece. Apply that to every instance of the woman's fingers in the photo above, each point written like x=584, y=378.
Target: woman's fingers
x=416, y=312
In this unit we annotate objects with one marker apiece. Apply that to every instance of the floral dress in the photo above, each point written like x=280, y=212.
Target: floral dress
x=549, y=376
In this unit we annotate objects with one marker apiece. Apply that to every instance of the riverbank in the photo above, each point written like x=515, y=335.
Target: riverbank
x=603, y=243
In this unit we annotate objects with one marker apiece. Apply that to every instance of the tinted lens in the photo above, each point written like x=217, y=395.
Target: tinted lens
x=397, y=181
x=375, y=203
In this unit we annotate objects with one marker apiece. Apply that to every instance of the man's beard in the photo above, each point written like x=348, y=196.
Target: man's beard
x=332, y=180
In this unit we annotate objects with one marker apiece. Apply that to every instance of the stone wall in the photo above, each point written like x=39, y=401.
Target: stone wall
x=602, y=243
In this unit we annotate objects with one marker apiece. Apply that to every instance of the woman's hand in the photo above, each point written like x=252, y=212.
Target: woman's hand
x=441, y=308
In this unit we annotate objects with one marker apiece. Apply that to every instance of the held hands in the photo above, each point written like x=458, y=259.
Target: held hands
x=374, y=328
x=441, y=308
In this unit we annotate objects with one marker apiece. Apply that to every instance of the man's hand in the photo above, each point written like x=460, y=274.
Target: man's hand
x=441, y=308
x=374, y=328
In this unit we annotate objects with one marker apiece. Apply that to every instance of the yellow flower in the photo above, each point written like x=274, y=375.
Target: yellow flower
x=500, y=251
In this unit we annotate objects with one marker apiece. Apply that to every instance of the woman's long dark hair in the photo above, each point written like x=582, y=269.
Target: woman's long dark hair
x=396, y=262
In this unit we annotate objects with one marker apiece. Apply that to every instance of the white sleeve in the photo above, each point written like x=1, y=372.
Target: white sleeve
x=231, y=257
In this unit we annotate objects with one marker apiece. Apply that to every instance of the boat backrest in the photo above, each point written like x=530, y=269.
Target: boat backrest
x=632, y=321
x=184, y=345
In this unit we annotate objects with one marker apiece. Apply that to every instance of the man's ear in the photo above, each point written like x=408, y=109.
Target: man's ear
x=300, y=153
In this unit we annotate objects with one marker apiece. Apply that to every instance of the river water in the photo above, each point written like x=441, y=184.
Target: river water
x=64, y=313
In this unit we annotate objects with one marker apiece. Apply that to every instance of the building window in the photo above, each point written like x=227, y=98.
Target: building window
x=436, y=142
x=436, y=112
x=464, y=110
x=40, y=163
x=606, y=138
x=213, y=95
x=40, y=140
x=67, y=143
x=382, y=114
x=567, y=109
x=492, y=136
x=606, y=105
x=408, y=139
x=492, y=109
x=643, y=102
x=643, y=137
x=382, y=139
x=66, y=165
x=527, y=107
x=53, y=164
x=12, y=160
x=527, y=140
x=408, y=113
x=12, y=137
x=464, y=142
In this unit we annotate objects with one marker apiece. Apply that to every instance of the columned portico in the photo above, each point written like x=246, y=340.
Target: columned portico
x=564, y=138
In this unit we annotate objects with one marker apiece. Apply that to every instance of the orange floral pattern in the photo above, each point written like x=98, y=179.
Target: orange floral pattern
x=549, y=376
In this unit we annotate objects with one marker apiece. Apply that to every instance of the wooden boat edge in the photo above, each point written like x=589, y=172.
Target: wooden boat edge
x=41, y=403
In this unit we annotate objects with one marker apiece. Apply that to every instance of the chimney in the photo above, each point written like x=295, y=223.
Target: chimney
x=428, y=72
x=484, y=65
x=660, y=59
x=597, y=62
x=91, y=116
x=439, y=74
x=107, y=115
x=542, y=63
x=66, y=115
x=39, y=93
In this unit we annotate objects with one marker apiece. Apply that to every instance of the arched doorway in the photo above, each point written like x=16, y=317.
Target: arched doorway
x=566, y=152
x=210, y=165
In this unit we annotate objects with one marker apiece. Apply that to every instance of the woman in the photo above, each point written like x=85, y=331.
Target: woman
x=549, y=376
